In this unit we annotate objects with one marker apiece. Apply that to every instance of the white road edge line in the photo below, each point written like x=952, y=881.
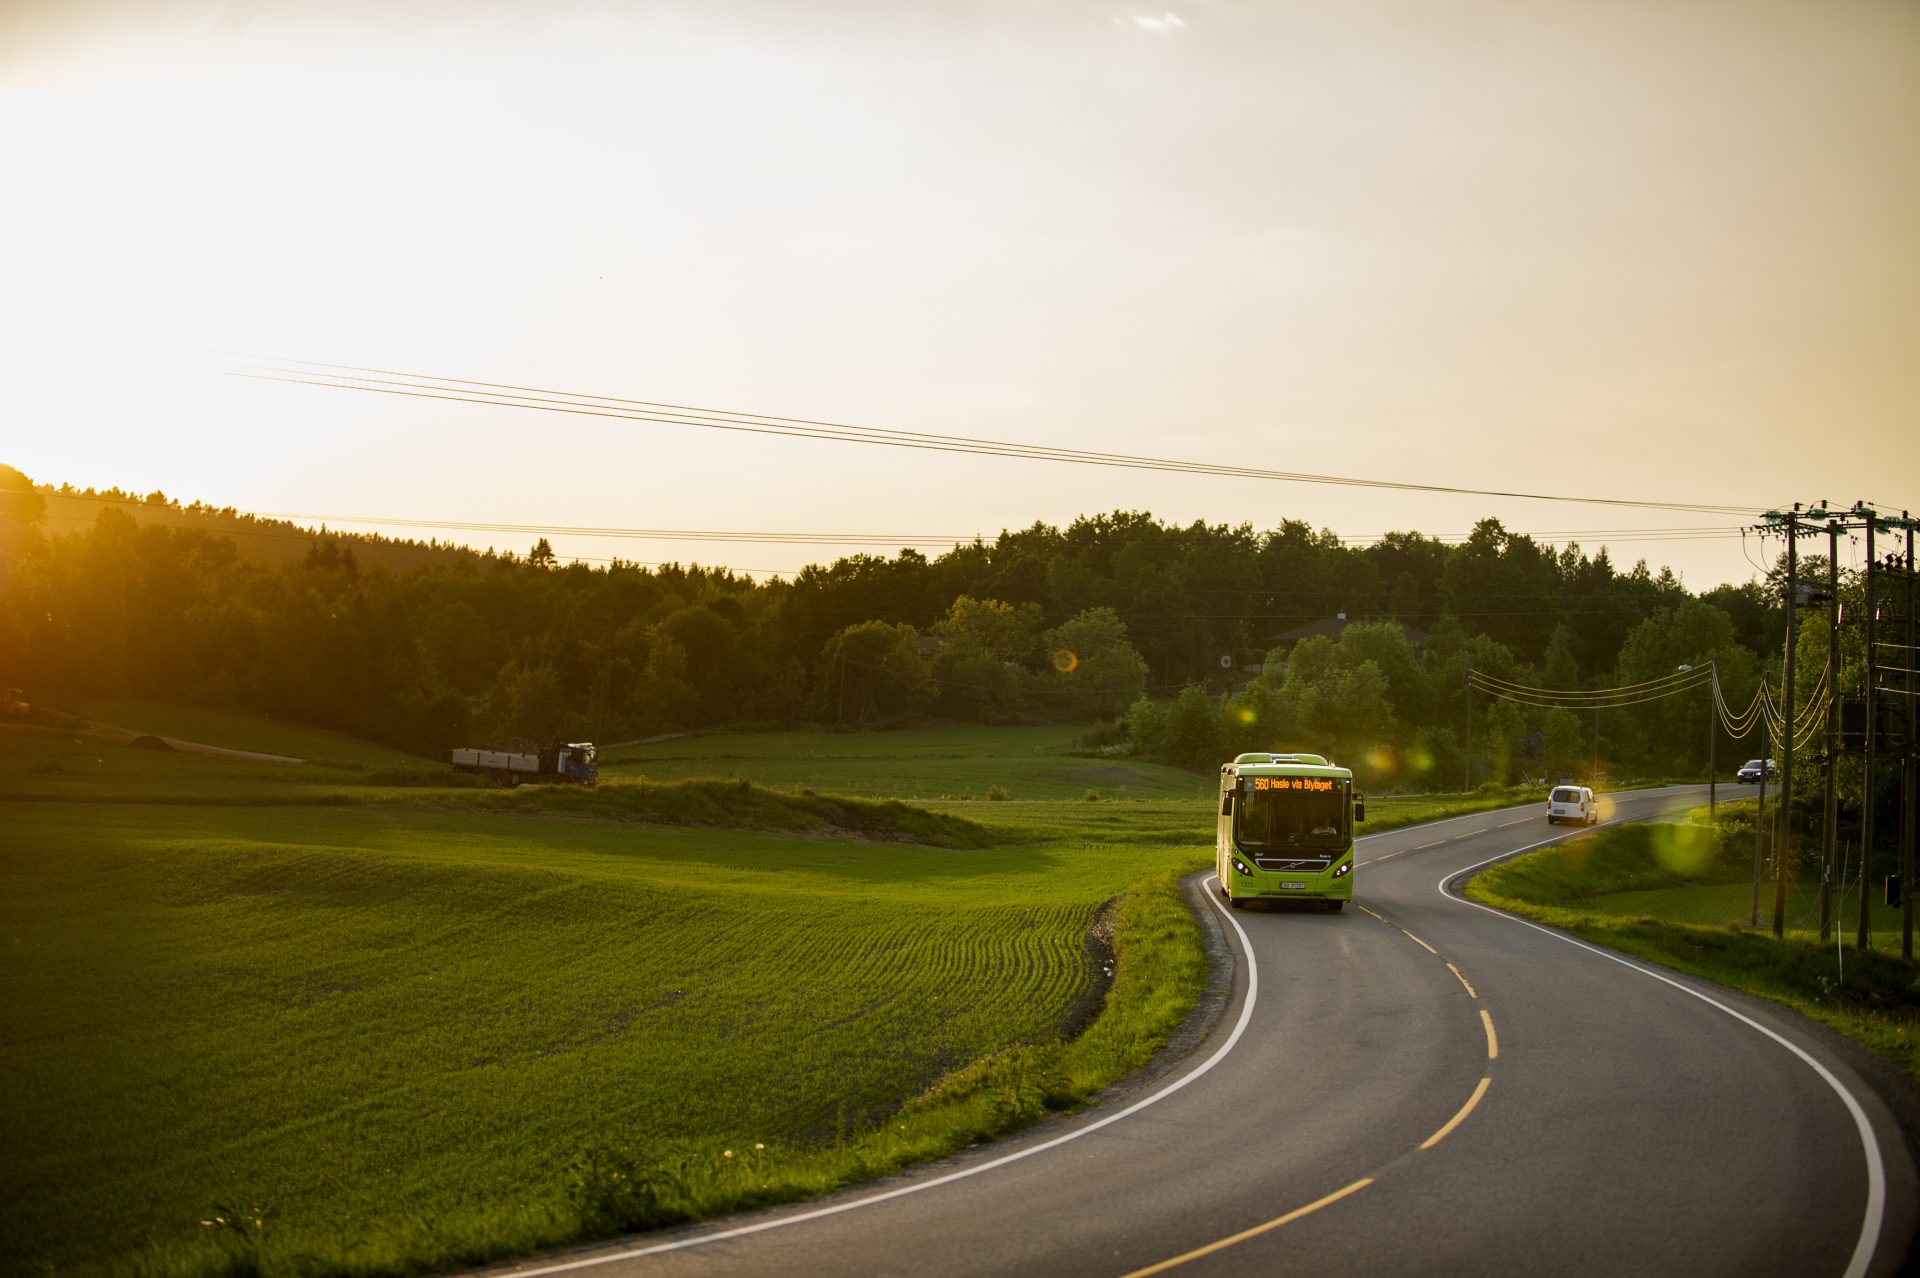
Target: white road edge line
x=1876, y=1169
x=1239, y=1028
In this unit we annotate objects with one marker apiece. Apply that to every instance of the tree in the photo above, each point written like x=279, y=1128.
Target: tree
x=1562, y=672
x=1330, y=698
x=1194, y=737
x=1505, y=726
x=1384, y=643
x=1565, y=743
x=1098, y=671
x=1147, y=728
x=458, y=642
x=872, y=672
x=529, y=706
x=708, y=645
x=22, y=511
x=981, y=665
x=1693, y=634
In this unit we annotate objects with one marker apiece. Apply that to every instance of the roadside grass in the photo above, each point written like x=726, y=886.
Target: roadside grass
x=1643, y=889
x=387, y=1029
x=1394, y=811
x=1731, y=905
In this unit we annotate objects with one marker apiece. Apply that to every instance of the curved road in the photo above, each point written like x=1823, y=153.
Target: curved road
x=1420, y=1085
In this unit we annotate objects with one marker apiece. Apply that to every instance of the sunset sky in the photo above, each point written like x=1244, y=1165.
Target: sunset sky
x=1655, y=251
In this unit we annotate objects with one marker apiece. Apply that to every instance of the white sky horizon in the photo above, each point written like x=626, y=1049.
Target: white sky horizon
x=1664, y=254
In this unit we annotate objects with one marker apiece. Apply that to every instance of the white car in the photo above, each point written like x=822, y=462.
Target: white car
x=1572, y=803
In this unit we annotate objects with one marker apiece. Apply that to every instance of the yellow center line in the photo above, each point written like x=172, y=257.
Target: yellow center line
x=1275, y=1223
x=1460, y=1117
x=1463, y=980
x=1364, y=910
x=1422, y=944
x=1493, y=1044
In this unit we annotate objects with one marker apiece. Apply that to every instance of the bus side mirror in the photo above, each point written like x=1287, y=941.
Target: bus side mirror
x=1359, y=807
x=1226, y=803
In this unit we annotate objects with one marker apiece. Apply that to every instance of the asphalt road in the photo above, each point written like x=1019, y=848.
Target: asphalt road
x=1420, y=1085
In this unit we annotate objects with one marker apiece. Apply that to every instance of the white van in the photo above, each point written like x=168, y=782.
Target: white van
x=1572, y=803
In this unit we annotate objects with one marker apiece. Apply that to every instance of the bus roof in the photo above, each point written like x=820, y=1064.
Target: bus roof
x=1284, y=765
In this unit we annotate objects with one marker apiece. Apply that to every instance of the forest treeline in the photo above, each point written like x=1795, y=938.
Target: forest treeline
x=1175, y=638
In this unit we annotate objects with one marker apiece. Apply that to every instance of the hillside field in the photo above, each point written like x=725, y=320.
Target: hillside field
x=917, y=764
x=393, y=1020
x=364, y=1020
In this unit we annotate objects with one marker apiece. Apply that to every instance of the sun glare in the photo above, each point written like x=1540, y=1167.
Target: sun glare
x=215, y=193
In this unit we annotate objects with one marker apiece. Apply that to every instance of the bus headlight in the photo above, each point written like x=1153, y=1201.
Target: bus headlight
x=1241, y=867
x=1344, y=870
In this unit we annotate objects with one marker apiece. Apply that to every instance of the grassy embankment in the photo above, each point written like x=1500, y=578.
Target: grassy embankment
x=364, y=1025
x=1680, y=895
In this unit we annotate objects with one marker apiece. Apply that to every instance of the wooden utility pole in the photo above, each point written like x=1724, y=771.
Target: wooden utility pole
x=1911, y=776
x=1713, y=731
x=1783, y=847
x=1863, y=930
x=1760, y=826
x=1830, y=826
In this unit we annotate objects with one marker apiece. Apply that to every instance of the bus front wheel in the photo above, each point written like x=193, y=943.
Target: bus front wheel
x=1336, y=906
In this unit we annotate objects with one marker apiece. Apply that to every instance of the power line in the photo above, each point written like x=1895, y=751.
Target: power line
x=1688, y=676
x=508, y=395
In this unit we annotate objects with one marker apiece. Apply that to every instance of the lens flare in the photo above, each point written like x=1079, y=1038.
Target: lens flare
x=1066, y=660
x=1243, y=715
x=1681, y=849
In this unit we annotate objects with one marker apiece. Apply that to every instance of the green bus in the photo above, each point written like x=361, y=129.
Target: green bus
x=1286, y=830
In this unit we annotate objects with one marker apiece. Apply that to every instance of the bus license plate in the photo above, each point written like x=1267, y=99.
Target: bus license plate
x=1296, y=887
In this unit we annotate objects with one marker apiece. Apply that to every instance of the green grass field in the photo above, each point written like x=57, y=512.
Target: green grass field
x=366, y=1022
x=926, y=763
x=233, y=731
x=405, y=1027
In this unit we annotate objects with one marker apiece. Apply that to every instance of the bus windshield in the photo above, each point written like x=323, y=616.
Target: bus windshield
x=1306, y=820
